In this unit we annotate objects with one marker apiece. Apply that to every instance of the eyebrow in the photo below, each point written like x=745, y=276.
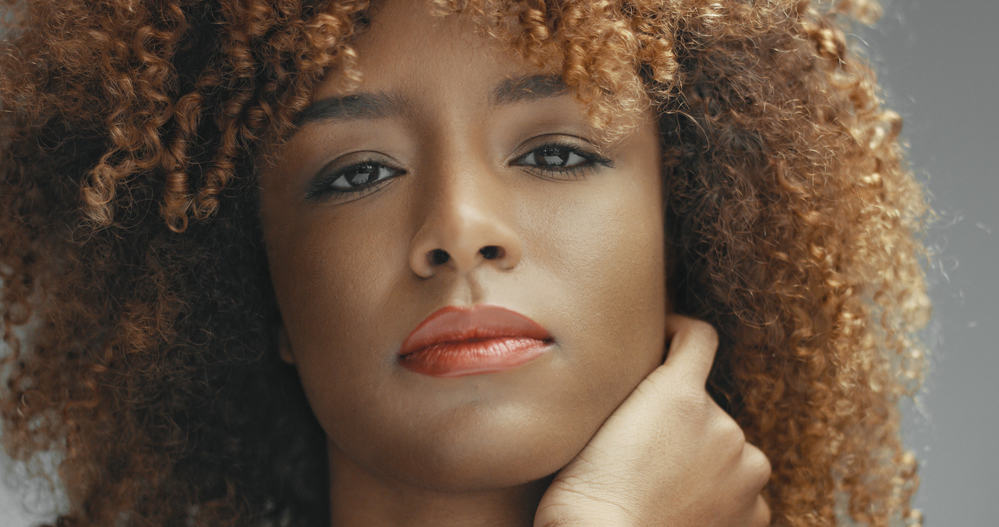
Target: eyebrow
x=381, y=105
x=528, y=88
x=350, y=107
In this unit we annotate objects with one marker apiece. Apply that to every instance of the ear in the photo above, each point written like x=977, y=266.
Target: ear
x=284, y=345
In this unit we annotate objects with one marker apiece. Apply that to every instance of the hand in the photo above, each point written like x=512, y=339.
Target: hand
x=667, y=456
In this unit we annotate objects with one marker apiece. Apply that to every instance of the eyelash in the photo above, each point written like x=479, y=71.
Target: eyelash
x=322, y=186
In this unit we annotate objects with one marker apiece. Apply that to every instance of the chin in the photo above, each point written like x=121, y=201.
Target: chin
x=477, y=448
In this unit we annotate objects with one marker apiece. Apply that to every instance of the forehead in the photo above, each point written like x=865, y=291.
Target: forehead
x=407, y=47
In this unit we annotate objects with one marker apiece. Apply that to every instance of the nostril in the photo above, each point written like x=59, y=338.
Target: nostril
x=438, y=257
x=491, y=252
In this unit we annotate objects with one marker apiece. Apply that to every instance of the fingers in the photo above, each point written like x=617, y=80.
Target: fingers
x=692, y=347
x=757, y=466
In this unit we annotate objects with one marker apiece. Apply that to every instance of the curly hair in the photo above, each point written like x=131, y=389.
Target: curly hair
x=137, y=308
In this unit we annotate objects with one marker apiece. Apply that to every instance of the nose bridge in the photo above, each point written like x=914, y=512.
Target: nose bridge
x=465, y=219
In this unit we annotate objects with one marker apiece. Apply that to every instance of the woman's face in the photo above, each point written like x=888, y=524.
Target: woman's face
x=377, y=215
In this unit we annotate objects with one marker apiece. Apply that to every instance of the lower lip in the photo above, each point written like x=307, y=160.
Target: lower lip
x=471, y=357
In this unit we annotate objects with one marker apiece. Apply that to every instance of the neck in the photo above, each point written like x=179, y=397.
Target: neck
x=361, y=498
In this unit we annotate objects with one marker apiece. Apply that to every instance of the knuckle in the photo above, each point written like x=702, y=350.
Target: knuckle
x=758, y=465
x=730, y=431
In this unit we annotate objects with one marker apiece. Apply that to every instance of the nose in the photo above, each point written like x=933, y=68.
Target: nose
x=466, y=224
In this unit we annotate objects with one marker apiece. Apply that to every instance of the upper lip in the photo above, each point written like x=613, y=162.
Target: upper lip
x=479, y=322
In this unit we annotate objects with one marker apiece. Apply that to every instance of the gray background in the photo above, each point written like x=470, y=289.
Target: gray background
x=938, y=62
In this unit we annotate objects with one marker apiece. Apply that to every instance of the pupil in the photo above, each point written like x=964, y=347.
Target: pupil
x=363, y=175
x=554, y=155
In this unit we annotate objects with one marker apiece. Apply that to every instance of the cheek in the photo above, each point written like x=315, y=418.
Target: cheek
x=601, y=258
x=332, y=279
x=338, y=285
x=605, y=255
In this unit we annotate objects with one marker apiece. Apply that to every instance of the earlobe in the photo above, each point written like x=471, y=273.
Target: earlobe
x=284, y=345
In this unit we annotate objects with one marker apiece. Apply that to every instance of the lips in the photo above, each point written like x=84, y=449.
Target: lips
x=455, y=341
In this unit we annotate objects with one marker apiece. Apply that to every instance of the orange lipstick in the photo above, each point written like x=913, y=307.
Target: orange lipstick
x=455, y=341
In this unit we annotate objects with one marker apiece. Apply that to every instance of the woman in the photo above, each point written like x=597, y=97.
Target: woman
x=577, y=263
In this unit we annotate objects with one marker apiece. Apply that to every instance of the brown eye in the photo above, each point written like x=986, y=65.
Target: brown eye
x=359, y=176
x=352, y=179
x=553, y=156
x=561, y=161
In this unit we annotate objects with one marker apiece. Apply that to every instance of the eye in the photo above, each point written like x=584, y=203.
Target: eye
x=561, y=159
x=353, y=180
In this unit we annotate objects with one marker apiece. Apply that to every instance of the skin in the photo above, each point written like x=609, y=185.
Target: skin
x=669, y=455
x=580, y=253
